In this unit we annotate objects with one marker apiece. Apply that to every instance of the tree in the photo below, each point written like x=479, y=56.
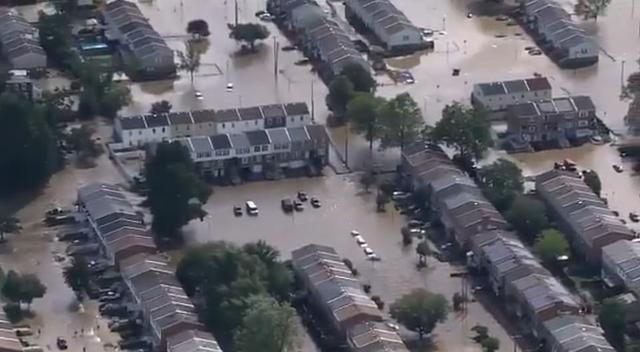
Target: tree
x=189, y=59
x=592, y=180
x=198, y=28
x=401, y=121
x=9, y=225
x=551, y=245
x=367, y=179
x=363, y=111
x=30, y=288
x=420, y=311
x=381, y=201
x=28, y=146
x=482, y=333
x=57, y=40
x=490, y=344
x=173, y=187
x=268, y=326
x=527, y=216
x=360, y=77
x=11, y=289
x=100, y=94
x=340, y=92
x=501, y=182
x=457, y=300
x=77, y=275
x=591, y=8
x=423, y=250
x=160, y=107
x=80, y=140
x=612, y=318
x=249, y=33
x=465, y=129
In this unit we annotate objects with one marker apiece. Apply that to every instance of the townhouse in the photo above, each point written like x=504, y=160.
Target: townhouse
x=338, y=294
x=136, y=131
x=19, y=41
x=141, y=48
x=580, y=214
x=9, y=341
x=20, y=84
x=533, y=294
x=497, y=96
x=574, y=333
x=621, y=265
x=168, y=313
x=119, y=228
x=261, y=151
x=392, y=28
x=321, y=38
x=461, y=206
x=551, y=24
x=558, y=121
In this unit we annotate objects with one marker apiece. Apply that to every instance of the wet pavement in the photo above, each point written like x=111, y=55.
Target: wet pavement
x=345, y=207
x=33, y=251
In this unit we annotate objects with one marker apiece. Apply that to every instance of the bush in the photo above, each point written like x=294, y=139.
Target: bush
x=378, y=301
x=13, y=311
x=348, y=263
x=366, y=288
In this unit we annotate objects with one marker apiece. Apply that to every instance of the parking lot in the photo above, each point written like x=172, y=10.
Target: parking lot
x=345, y=207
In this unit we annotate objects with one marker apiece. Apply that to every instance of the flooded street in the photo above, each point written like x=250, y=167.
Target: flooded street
x=345, y=207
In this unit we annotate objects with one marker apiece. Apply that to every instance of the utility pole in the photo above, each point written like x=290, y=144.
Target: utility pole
x=276, y=52
x=346, y=145
x=622, y=74
x=236, y=11
x=313, y=110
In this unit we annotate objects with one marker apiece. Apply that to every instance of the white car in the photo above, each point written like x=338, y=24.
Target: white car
x=373, y=257
x=267, y=17
x=360, y=241
x=198, y=95
x=252, y=208
x=229, y=87
x=355, y=233
x=368, y=251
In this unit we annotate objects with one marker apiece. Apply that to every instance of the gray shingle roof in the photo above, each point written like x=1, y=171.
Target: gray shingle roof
x=180, y=118
x=516, y=86
x=227, y=115
x=278, y=135
x=317, y=133
x=258, y=137
x=132, y=123
x=201, y=144
x=524, y=110
x=157, y=120
x=239, y=140
x=298, y=134
x=583, y=103
x=220, y=141
x=201, y=116
x=272, y=111
x=489, y=89
x=251, y=113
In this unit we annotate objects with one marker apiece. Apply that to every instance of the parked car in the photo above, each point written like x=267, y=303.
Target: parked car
x=302, y=196
x=360, y=241
x=287, y=205
x=315, y=202
x=252, y=208
x=368, y=251
x=297, y=205
x=135, y=344
x=634, y=217
x=373, y=257
x=618, y=168
x=57, y=211
x=415, y=224
x=355, y=233
x=61, y=343
x=237, y=210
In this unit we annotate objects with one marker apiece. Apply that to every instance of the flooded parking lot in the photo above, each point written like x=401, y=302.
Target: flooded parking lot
x=345, y=207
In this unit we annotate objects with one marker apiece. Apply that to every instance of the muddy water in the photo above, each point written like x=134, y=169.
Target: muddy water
x=344, y=208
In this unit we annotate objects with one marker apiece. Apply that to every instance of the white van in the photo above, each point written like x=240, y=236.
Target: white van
x=252, y=208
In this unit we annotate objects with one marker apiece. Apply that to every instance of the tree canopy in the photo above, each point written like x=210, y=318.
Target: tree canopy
x=160, y=107
x=420, y=310
x=592, y=180
x=173, y=187
x=57, y=40
x=267, y=326
x=591, y=9
x=612, y=318
x=22, y=288
x=249, y=33
x=360, y=77
x=490, y=344
x=340, y=92
x=77, y=275
x=364, y=112
x=100, y=94
x=551, y=245
x=226, y=276
x=28, y=146
x=80, y=140
x=401, y=122
x=9, y=225
x=189, y=59
x=199, y=27
x=527, y=216
x=501, y=182
x=465, y=129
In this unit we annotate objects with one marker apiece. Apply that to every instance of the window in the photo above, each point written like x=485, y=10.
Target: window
x=292, y=119
x=265, y=148
x=188, y=127
x=223, y=126
x=301, y=117
x=583, y=123
x=535, y=94
x=139, y=133
x=583, y=114
x=405, y=38
x=153, y=130
x=255, y=122
x=522, y=96
x=130, y=133
x=256, y=148
x=163, y=130
x=233, y=125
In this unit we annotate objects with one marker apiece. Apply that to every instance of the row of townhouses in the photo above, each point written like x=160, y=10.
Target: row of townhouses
x=584, y=217
x=320, y=37
x=392, y=28
x=20, y=42
x=9, y=341
x=621, y=265
x=142, y=49
x=136, y=131
x=567, y=43
x=497, y=96
x=351, y=313
x=558, y=121
x=168, y=312
x=535, y=298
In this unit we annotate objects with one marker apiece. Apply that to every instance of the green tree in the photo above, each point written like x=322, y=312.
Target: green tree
x=160, y=107
x=550, y=245
x=482, y=333
x=57, y=40
x=249, y=33
x=527, y=216
x=465, y=129
x=31, y=288
x=100, y=94
x=367, y=179
x=490, y=344
x=9, y=225
x=591, y=9
x=12, y=286
x=80, y=140
x=423, y=250
x=420, y=311
x=340, y=92
x=363, y=112
x=592, y=180
x=189, y=59
x=77, y=275
x=173, y=187
x=360, y=77
x=612, y=318
x=501, y=182
x=198, y=28
x=28, y=147
x=401, y=122
x=267, y=326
